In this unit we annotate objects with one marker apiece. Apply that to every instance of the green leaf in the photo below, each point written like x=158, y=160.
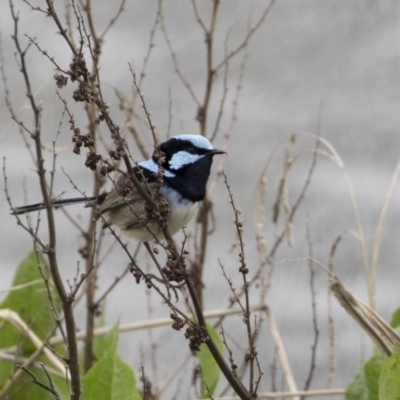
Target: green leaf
x=106, y=344
x=395, y=322
x=357, y=389
x=31, y=303
x=102, y=345
x=365, y=385
x=210, y=371
x=389, y=383
x=372, y=371
x=24, y=388
x=109, y=378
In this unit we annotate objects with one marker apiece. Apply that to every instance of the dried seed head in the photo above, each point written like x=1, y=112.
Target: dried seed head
x=61, y=80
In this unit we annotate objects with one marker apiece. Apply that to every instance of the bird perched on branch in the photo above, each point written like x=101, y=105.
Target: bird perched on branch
x=179, y=170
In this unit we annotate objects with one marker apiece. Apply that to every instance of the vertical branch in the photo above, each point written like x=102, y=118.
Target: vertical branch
x=202, y=117
x=314, y=315
x=174, y=58
x=63, y=32
x=202, y=113
x=90, y=268
x=331, y=321
x=93, y=81
x=66, y=300
x=93, y=105
x=200, y=334
x=251, y=356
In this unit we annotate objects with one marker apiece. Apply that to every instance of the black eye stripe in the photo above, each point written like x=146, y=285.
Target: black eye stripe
x=173, y=146
x=195, y=150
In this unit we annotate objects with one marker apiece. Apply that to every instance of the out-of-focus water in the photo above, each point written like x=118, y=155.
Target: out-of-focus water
x=332, y=65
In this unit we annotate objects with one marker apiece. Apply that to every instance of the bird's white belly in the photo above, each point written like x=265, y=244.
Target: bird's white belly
x=181, y=211
x=181, y=214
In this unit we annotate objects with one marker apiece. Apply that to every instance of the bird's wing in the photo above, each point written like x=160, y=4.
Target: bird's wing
x=125, y=206
x=125, y=193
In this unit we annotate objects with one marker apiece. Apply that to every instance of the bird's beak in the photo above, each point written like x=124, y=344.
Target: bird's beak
x=216, y=151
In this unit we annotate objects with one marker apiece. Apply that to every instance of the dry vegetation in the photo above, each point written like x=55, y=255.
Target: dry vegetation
x=112, y=142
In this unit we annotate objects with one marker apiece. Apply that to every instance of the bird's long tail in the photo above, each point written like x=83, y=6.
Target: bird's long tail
x=56, y=204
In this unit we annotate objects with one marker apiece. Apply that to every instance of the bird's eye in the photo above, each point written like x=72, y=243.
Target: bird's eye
x=191, y=150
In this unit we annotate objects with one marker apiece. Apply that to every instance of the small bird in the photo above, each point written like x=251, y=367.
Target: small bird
x=184, y=169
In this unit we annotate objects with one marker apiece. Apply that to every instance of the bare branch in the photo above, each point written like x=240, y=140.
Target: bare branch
x=53, y=14
x=314, y=315
x=178, y=70
x=51, y=248
x=248, y=36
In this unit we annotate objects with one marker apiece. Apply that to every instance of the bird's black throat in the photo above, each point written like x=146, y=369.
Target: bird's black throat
x=190, y=180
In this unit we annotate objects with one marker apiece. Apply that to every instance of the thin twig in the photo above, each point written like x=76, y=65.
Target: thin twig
x=314, y=315
x=251, y=355
x=331, y=321
x=248, y=36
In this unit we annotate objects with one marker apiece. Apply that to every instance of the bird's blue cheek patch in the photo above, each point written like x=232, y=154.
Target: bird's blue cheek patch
x=178, y=160
x=153, y=167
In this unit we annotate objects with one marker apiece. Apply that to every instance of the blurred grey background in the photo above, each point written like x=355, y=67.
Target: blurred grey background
x=332, y=64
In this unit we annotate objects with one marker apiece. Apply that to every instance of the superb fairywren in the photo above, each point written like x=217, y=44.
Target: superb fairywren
x=183, y=170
